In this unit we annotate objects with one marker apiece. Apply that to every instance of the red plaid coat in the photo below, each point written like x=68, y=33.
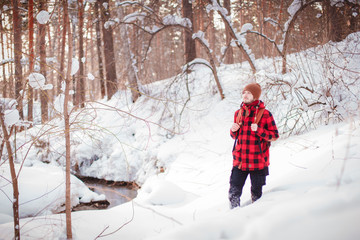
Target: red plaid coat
x=251, y=149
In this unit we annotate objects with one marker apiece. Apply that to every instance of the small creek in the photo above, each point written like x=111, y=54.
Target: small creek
x=115, y=192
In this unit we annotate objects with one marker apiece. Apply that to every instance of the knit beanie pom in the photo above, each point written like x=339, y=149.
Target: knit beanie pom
x=255, y=90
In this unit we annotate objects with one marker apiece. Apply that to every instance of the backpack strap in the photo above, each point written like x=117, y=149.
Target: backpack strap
x=258, y=114
x=239, y=116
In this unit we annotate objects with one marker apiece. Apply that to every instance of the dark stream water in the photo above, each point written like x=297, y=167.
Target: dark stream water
x=116, y=195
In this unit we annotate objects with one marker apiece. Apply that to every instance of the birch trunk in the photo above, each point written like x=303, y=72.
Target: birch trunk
x=130, y=69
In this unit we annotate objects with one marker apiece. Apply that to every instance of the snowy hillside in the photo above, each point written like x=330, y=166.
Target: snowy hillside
x=313, y=191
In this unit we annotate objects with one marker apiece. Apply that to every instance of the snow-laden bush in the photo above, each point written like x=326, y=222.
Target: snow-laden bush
x=321, y=87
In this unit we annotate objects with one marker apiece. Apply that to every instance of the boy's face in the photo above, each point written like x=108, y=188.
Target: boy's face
x=247, y=97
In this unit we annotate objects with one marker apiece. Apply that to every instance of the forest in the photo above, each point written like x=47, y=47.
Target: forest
x=127, y=44
x=60, y=58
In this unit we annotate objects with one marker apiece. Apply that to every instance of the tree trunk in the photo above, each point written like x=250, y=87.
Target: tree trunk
x=80, y=85
x=98, y=46
x=67, y=129
x=111, y=81
x=92, y=89
x=131, y=73
x=31, y=59
x=213, y=69
x=43, y=93
x=190, y=50
x=61, y=76
x=229, y=56
x=278, y=31
x=260, y=14
x=333, y=22
x=211, y=32
x=14, y=179
x=289, y=29
x=10, y=53
x=17, y=55
x=73, y=24
x=51, y=46
x=5, y=84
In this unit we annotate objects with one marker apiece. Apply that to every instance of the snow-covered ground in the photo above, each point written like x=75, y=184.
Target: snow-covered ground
x=312, y=192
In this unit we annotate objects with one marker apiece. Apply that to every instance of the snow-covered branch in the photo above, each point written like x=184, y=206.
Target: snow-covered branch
x=127, y=3
x=240, y=42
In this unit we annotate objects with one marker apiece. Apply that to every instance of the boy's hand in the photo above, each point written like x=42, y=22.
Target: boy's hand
x=235, y=127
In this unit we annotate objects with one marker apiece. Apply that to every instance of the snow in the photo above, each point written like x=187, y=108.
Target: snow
x=158, y=191
x=137, y=16
x=74, y=66
x=11, y=117
x=42, y=191
x=90, y=76
x=246, y=27
x=295, y=6
x=312, y=191
x=109, y=23
x=43, y=17
x=201, y=35
x=177, y=20
x=152, y=30
x=37, y=81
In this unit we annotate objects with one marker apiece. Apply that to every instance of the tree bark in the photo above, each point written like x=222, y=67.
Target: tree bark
x=111, y=81
x=229, y=56
x=98, y=46
x=31, y=59
x=190, y=50
x=290, y=28
x=14, y=179
x=80, y=84
x=67, y=129
x=5, y=83
x=92, y=89
x=131, y=73
x=61, y=76
x=334, y=26
x=211, y=32
x=17, y=55
x=43, y=93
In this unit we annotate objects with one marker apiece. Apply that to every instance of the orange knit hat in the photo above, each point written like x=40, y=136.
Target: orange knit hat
x=255, y=90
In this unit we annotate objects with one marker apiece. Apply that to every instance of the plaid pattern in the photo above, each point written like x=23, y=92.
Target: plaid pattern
x=251, y=150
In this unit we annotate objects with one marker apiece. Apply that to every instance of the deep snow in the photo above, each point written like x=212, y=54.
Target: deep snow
x=312, y=192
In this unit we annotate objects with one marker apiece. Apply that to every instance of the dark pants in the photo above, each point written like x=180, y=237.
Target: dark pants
x=237, y=182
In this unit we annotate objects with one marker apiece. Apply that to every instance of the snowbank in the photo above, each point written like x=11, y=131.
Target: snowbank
x=42, y=191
